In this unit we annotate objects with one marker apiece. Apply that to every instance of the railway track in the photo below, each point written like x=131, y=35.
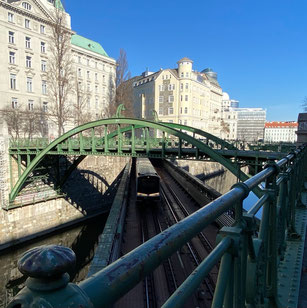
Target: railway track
x=192, y=248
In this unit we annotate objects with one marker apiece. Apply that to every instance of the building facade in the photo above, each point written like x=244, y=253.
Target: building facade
x=280, y=131
x=180, y=95
x=25, y=38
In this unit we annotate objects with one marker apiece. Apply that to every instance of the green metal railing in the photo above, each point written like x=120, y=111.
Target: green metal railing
x=250, y=258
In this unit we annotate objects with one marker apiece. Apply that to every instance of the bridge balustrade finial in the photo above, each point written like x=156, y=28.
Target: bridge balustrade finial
x=155, y=115
x=48, y=283
x=119, y=110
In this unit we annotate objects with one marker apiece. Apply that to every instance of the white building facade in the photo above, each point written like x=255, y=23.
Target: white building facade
x=280, y=132
x=180, y=95
x=25, y=31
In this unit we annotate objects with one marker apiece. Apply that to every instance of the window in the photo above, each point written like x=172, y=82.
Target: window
x=79, y=72
x=96, y=89
x=27, y=23
x=185, y=109
x=45, y=106
x=104, y=67
x=181, y=86
x=103, y=78
x=87, y=62
x=44, y=65
x=186, y=98
x=14, y=103
x=28, y=42
x=30, y=105
x=10, y=17
x=88, y=74
x=181, y=75
x=12, y=57
x=160, y=99
x=185, y=122
x=171, y=98
x=11, y=37
x=186, y=86
x=26, y=6
x=186, y=74
x=181, y=98
x=44, y=86
x=43, y=47
x=96, y=64
x=170, y=110
x=160, y=110
x=13, y=81
x=79, y=59
x=169, y=87
x=28, y=61
x=88, y=87
x=96, y=75
x=29, y=84
x=96, y=103
x=43, y=29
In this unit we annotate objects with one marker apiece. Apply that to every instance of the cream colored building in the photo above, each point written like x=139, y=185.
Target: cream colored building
x=25, y=28
x=180, y=95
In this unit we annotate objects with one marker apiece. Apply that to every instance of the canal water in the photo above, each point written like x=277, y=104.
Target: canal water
x=82, y=239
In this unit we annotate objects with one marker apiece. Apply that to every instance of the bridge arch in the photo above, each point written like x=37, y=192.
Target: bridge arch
x=133, y=124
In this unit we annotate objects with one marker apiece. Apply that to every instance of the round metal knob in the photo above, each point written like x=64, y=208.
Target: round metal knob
x=47, y=261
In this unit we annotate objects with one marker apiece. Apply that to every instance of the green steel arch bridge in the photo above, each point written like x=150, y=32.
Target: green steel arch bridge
x=123, y=137
x=260, y=265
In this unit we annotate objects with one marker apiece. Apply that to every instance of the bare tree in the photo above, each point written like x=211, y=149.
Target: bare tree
x=124, y=91
x=31, y=123
x=80, y=113
x=304, y=105
x=122, y=72
x=60, y=71
x=14, y=120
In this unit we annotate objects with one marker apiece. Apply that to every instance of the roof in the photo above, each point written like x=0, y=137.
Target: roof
x=275, y=124
x=88, y=44
x=185, y=59
x=58, y=4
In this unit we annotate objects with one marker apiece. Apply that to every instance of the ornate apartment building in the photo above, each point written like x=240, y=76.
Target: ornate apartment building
x=180, y=95
x=25, y=31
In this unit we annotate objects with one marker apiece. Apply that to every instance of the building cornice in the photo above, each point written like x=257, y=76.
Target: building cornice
x=27, y=13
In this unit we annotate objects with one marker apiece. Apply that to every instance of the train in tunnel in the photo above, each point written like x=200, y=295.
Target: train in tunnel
x=147, y=181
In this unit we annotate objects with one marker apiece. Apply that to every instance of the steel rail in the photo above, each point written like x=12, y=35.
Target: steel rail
x=187, y=288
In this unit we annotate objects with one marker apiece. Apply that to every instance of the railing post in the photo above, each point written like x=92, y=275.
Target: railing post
x=48, y=283
x=147, y=140
x=163, y=144
x=120, y=139
x=106, y=141
x=93, y=140
x=133, y=140
x=81, y=142
x=271, y=239
x=180, y=148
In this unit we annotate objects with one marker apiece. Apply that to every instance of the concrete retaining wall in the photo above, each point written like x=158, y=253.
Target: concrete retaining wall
x=85, y=198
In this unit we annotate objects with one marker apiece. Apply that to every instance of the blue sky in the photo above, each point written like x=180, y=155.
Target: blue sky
x=258, y=48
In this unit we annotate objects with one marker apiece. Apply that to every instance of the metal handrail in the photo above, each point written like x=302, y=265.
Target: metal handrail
x=238, y=246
